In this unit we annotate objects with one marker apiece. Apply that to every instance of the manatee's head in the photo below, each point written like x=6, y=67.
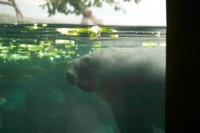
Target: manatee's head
x=71, y=72
x=80, y=72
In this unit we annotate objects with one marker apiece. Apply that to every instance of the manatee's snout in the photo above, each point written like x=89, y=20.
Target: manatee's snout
x=70, y=77
x=70, y=73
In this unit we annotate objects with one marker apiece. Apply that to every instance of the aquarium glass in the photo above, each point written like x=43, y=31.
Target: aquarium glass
x=87, y=66
x=35, y=95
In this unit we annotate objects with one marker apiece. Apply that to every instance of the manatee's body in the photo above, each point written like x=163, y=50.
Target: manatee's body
x=132, y=81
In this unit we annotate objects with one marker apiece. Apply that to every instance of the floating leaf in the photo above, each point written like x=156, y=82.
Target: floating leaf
x=68, y=31
x=114, y=36
x=60, y=41
x=149, y=44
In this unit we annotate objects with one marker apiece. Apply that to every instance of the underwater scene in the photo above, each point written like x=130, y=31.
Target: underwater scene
x=65, y=78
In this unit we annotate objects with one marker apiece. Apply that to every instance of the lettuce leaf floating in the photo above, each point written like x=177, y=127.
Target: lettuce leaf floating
x=95, y=29
x=149, y=44
x=63, y=42
x=68, y=31
x=114, y=36
x=93, y=32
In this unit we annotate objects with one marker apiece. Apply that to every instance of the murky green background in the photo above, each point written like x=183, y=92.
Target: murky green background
x=34, y=93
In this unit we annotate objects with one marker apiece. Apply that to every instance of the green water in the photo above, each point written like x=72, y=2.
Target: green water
x=34, y=94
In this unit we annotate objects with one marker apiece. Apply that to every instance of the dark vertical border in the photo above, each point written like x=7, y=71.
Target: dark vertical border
x=183, y=56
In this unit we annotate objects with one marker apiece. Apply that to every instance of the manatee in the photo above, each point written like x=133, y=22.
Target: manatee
x=132, y=80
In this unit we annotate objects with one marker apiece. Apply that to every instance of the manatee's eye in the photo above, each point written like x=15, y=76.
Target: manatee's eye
x=70, y=77
x=85, y=62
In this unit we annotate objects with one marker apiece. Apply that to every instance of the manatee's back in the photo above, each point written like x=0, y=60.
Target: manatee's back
x=133, y=64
